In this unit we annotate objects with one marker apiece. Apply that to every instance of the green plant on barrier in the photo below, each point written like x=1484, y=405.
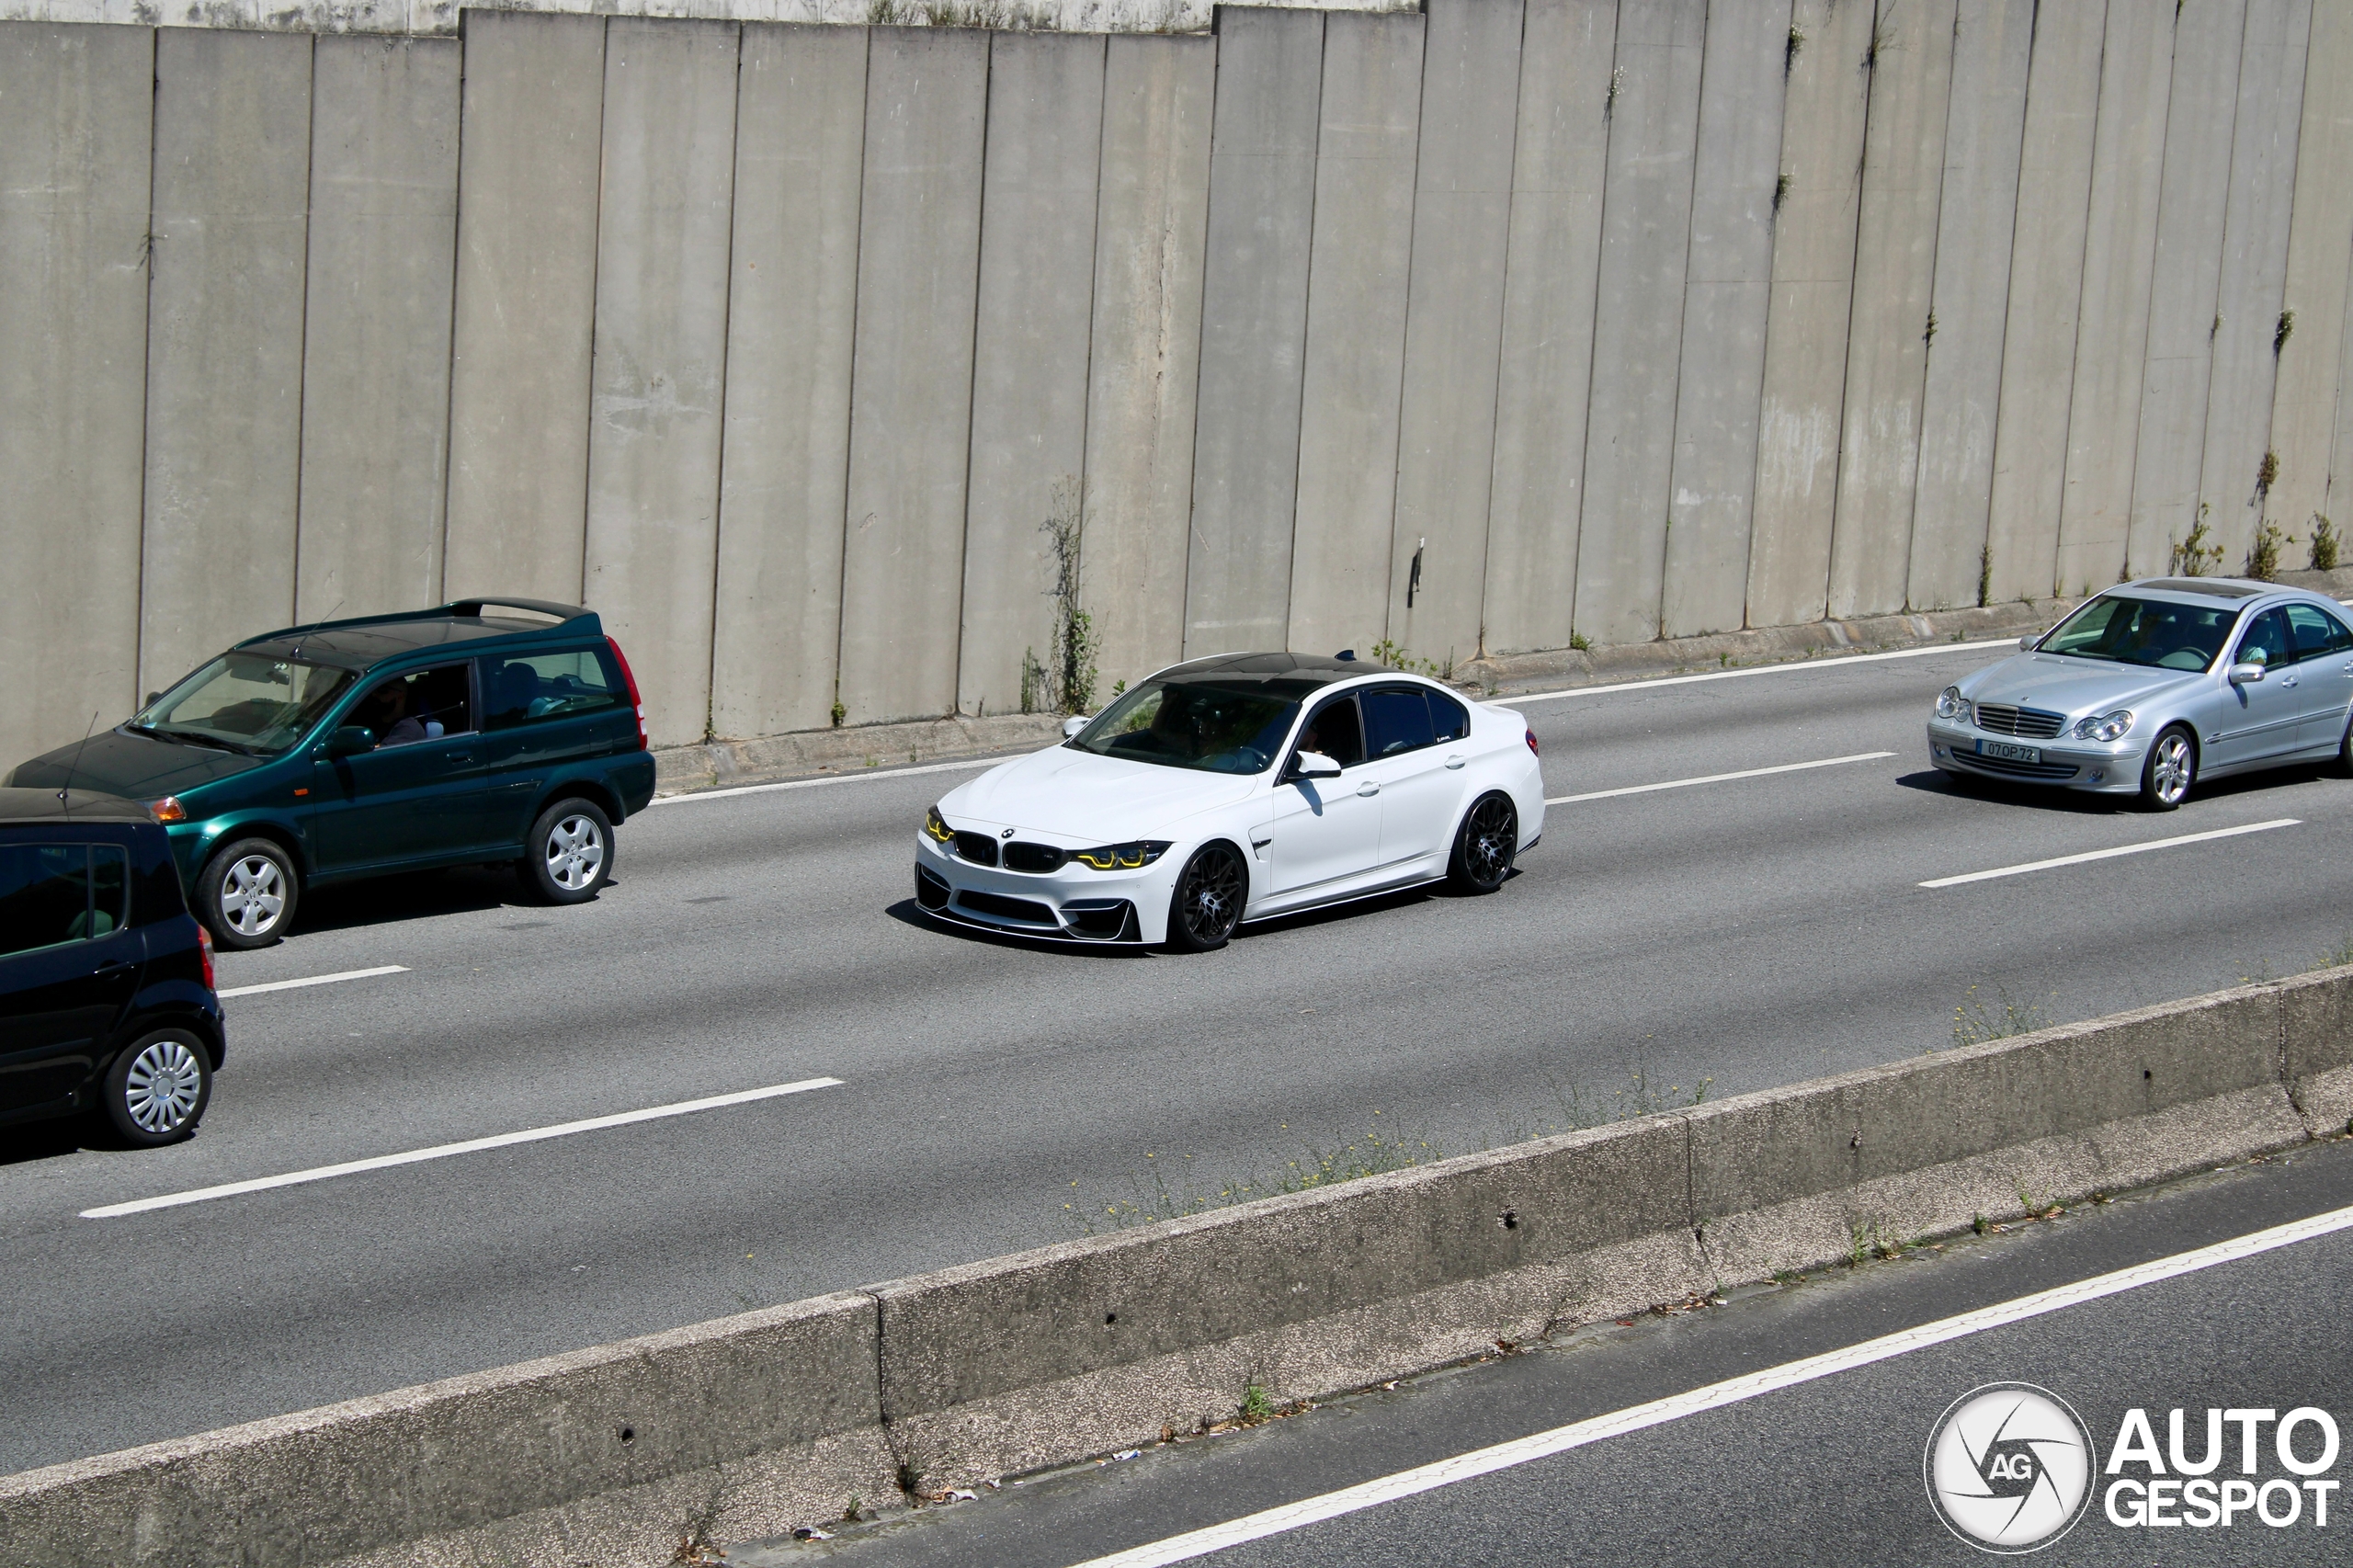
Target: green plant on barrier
x=2338, y=956
x=2195, y=556
x=1984, y=577
x=1781, y=187
x=1067, y=685
x=1256, y=1406
x=2324, y=544
x=2263, y=555
x=1974, y=1023
x=1398, y=658
x=2266, y=474
x=2281, y=333
x=1789, y=52
x=1580, y=641
x=840, y=712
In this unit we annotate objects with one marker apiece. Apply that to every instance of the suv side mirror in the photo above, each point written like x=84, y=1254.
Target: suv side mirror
x=1312, y=764
x=2249, y=674
x=349, y=740
x=1073, y=724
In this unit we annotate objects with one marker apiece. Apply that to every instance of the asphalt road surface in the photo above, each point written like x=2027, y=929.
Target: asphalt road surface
x=1745, y=934
x=1826, y=1469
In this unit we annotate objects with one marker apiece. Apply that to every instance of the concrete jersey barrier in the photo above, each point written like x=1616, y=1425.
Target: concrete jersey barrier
x=750, y=1425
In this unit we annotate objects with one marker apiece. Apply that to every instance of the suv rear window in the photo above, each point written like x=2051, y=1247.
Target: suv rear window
x=55, y=894
x=538, y=687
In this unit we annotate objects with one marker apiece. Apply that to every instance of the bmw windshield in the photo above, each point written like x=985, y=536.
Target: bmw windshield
x=2143, y=632
x=1207, y=725
x=244, y=702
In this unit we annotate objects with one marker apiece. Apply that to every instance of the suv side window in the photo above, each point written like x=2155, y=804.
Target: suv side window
x=538, y=687
x=55, y=894
x=2317, y=631
x=422, y=704
x=1397, y=720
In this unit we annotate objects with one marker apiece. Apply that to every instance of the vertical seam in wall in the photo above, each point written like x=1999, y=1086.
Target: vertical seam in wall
x=2287, y=251
x=595, y=270
x=1503, y=295
x=1094, y=273
x=719, y=466
x=1404, y=338
x=303, y=337
x=1593, y=346
x=2229, y=168
x=1683, y=318
x=849, y=414
x=1935, y=253
x=1936, y=236
x=1854, y=277
x=1209, y=228
x=146, y=373
x=2083, y=258
x=1763, y=357
x=2148, y=311
x=973, y=365
x=1307, y=303
x=449, y=372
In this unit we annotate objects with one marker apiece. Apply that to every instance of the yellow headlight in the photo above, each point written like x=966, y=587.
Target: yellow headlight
x=937, y=825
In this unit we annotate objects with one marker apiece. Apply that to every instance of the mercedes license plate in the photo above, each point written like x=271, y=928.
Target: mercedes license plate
x=2007, y=752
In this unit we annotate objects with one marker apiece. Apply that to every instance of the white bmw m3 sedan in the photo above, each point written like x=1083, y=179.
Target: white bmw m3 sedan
x=1234, y=788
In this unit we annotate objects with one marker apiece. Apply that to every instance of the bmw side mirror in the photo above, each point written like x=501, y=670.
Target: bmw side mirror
x=350, y=740
x=1072, y=725
x=2246, y=675
x=1313, y=764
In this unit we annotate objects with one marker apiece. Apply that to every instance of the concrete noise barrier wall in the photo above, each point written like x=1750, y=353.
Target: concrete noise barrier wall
x=751, y=1425
x=1509, y=326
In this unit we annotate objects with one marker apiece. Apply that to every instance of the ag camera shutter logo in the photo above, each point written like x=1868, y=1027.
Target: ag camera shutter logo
x=2009, y=1467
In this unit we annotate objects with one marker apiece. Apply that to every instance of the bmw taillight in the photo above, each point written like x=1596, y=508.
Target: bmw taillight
x=204, y=949
x=1531, y=744
x=629, y=680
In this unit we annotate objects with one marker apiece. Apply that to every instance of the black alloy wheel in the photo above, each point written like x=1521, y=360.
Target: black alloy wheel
x=1485, y=845
x=1210, y=892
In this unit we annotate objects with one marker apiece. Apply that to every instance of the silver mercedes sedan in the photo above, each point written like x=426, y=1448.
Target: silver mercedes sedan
x=2154, y=684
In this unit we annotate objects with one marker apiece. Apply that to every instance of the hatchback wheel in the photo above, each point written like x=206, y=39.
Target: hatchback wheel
x=2170, y=770
x=1485, y=844
x=1210, y=892
x=247, y=893
x=156, y=1090
x=569, y=854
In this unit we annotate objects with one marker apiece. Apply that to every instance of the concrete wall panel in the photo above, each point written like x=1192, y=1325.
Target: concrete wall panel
x=1983, y=125
x=224, y=342
x=793, y=298
x=2196, y=188
x=1445, y=448
x=1638, y=318
x=2320, y=248
x=1805, y=335
x=527, y=166
x=1728, y=290
x=2255, y=271
x=1151, y=228
x=1560, y=158
x=2046, y=290
x=1362, y=254
x=74, y=166
x=1253, y=329
x=1037, y=307
x=2112, y=326
x=1887, y=347
x=660, y=371
x=919, y=226
x=376, y=355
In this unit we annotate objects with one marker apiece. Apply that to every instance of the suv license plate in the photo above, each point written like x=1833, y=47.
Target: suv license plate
x=2009, y=752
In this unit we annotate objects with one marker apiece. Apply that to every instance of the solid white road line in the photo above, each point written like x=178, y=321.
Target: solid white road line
x=1832, y=662
x=443, y=1151
x=834, y=779
x=2110, y=854
x=1735, y=1391
x=312, y=980
x=1715, y=778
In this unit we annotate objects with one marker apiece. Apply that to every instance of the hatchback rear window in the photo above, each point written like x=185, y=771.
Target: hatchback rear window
x=539, y=687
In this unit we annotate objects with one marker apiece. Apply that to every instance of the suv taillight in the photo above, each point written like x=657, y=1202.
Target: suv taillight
x=629, y=680
x=204, y=947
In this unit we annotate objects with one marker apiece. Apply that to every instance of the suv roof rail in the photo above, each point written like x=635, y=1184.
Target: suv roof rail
x=567, y=614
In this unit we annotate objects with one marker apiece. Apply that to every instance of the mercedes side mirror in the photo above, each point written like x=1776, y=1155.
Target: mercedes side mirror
x=2029, y=639
x=1073, y=724
x=350, y=740
x=2249, y=674
x=1313, y=764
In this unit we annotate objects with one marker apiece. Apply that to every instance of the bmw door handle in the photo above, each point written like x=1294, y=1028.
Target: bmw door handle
x=1369, y=788
x=1454, y=762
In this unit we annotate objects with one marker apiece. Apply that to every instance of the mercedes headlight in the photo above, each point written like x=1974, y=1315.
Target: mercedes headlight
x=1126, y=856
x=2105, y=727
x=937, y=825
x=1951, y=704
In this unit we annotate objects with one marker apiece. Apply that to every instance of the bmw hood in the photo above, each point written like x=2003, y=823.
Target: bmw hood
x=1078, y=798
x=137, y=767
x=2073, y=686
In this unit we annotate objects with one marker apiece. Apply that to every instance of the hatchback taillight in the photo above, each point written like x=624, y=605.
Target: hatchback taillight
x=1531, y=744
x=629, y=680
x=204, y=949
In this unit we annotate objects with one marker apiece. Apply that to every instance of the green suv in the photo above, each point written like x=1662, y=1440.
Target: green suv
x=393, y=743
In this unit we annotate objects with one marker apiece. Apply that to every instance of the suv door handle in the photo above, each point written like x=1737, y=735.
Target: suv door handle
x=1369, y=788
x=107, y=964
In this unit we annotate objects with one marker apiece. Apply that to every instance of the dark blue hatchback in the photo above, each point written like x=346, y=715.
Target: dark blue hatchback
x=391, y=742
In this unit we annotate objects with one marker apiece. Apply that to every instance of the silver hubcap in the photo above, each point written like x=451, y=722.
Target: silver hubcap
x=253, y=895
x=2170, y=770
x=576, y=853
x=159, y=1091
